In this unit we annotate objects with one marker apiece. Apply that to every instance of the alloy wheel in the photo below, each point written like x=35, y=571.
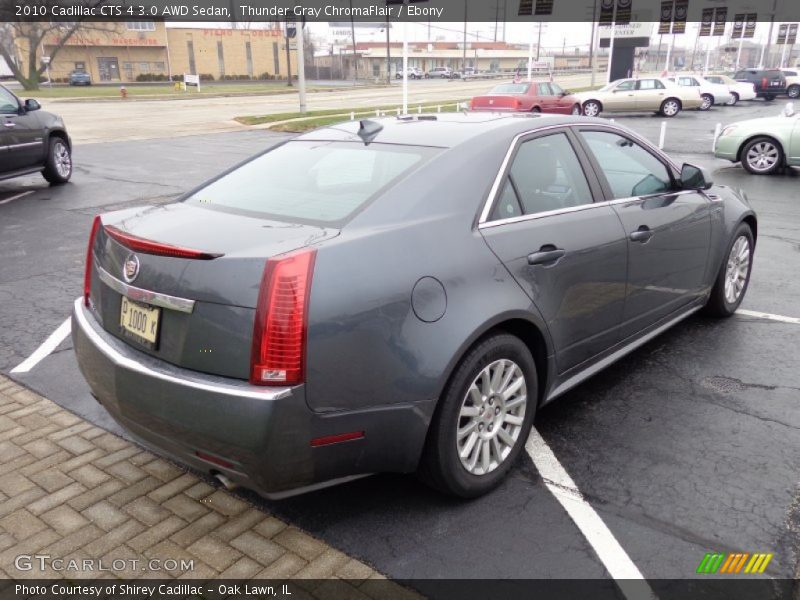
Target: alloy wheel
x=670, y=108
x=62, y=159
x=591, y=109
x=491, y=417
x=707, y=101
x=762, y=156
x=737, y=269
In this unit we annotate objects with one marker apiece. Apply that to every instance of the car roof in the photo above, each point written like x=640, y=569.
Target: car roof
x=445, y=130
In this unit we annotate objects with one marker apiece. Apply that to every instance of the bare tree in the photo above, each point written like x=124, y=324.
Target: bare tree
x=21, y=36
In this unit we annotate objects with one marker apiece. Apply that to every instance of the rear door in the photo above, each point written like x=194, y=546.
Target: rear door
x=650, y=93
x=668, y=230
x=567, y=252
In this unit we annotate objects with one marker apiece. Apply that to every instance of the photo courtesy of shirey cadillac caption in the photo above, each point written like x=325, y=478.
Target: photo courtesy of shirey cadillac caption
x=400, y=299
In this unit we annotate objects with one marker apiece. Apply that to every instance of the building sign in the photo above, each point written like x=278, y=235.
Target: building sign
x=750, y=27
x=720, y=20
x=242, y=32
x=681, y=10
x=634, y=29
x=673, y=16
x=705, y=22
x=623, y=11
x=713, y=21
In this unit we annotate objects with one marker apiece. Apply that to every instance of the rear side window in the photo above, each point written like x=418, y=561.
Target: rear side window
x=650, y=84
x=545, y=175
x=321, y=182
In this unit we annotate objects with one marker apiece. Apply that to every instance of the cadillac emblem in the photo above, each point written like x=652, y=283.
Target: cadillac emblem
x=130, y=269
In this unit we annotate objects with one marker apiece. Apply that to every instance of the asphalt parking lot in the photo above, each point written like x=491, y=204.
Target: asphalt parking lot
x=688, y=446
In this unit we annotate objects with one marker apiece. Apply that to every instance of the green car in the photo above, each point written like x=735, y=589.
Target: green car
x=763, y=146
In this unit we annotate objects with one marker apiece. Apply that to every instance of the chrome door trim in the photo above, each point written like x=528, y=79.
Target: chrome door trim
x=142, y=295
x=177, y=375
x=25, y=145
x=483, y=220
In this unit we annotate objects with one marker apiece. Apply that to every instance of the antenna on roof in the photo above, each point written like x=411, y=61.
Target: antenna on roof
x=367, y=130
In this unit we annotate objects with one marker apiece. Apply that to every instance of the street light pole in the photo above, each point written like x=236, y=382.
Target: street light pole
x=301, y=67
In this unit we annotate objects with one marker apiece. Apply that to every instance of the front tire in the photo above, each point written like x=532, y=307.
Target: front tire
x=793, y=92
x=734, y=275
x=708, y=102
x=483, y=418
x=734, y=99
x=670, y=107
x=58, y=166
x=769, y=97
x=762, y=156
x=576, y=110
x=592, y=108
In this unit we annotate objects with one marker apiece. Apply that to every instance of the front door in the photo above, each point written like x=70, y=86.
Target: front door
x=668, y=229
x=22, y=134
x=567, y=253
x=622, y=97
x=108, y=68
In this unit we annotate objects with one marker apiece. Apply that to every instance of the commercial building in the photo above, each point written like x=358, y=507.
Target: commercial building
x=148, y=50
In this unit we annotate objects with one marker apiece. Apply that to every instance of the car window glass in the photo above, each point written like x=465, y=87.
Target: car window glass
x=510, y=88
x=507, y=205
x=629, y=169
x=547, y=175
x=544, y=89
x=688, y=81
x=312, y=181
x=556, y=89
x=8, y=102
x=715, y=79
x=790, y=73
x=626, y=85
x=650, y=84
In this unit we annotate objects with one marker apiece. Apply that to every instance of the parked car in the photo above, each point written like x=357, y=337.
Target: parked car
x=413, y=73
x=465, y=73
x=32, y=140
x=639, y=95
x=739, y=90
x=538, y=96
x=354, y=301
x=763, y=146
x=80, y=78
x=439, y=72
x=711, y=93
x=792, y=82
x=769, y=83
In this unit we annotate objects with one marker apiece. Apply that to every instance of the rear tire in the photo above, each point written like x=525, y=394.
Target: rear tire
x=769, y=97
x=477, y=432
x=536, y=110
x=670, y=107
x=734, y=99
x=58, y=166
x=708, y=102
x=734, y=275
x=793, y=92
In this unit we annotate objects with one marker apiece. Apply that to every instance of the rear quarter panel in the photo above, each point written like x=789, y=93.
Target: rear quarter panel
x=367, y=346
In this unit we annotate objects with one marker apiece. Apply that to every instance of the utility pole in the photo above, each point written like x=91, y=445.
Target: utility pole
x=288, y=58
x=591, y=42
x=464, y=50
x=353, y=35
x=539, y=42
x=301, y=66
x=769, y=35
x=611, y=41
x=388, y=55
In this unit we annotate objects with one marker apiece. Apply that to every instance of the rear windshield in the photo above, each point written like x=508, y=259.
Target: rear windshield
x=318, y=182
x=510, y=88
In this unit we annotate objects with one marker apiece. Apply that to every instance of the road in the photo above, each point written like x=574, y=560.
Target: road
x=688, y=446
x=108, y=120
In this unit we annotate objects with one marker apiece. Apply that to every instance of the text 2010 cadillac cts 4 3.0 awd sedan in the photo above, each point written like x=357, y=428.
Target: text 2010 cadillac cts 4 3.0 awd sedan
x=397, y=295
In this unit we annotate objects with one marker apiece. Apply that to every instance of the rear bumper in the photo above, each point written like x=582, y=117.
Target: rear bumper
x=264, y=434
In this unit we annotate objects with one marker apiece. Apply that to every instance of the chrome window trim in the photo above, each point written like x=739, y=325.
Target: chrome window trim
x=485, y=223
x=242, y=390
x=184, y=305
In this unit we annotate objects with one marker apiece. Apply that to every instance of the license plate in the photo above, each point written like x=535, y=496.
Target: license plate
x=139, y=321
x=775, y=83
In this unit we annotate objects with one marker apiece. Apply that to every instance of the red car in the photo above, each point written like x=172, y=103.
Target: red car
x=526, y=96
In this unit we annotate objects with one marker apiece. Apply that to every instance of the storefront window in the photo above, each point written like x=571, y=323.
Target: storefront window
x=159, y=66
x=144, y=67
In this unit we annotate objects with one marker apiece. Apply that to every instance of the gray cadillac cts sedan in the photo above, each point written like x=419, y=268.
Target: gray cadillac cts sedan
x=397, y=295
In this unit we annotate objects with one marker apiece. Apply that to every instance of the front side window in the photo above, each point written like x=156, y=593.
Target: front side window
x=556, y=89
x=8, y=102
x=319, y=182
x=545, y=175
x=629, y=169
x=544, y=89
x=625, y=86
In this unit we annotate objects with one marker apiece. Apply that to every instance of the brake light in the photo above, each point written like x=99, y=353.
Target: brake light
x=763, y=82
x=87, y=274
x=279, y=334
x=145, y=246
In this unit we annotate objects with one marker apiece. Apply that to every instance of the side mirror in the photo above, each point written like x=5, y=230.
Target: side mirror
x=31, y=105
x=695, y=178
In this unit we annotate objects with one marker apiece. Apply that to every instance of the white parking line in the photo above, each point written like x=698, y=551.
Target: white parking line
x=16, y=197
x=770, y=316
x=50, y=344
x=616, y=561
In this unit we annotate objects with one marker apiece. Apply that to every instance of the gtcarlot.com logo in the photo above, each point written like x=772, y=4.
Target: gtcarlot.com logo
x=734, y=563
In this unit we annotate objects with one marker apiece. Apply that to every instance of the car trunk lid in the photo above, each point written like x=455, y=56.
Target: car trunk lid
x=496, y=102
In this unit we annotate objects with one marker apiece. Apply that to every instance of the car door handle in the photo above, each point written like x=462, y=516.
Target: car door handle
x=643, y=234
x=9, y=124
x=546, y=254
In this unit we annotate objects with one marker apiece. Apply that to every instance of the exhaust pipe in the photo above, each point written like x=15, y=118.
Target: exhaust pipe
x=227, y=483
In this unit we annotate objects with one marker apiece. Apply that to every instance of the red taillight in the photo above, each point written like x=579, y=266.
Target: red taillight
x=134, y=242
x=763, y=82
x=87, y=274
x=214, y=460
x=279, y=334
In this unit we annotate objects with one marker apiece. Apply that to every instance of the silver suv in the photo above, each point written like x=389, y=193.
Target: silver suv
x=440, y=72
